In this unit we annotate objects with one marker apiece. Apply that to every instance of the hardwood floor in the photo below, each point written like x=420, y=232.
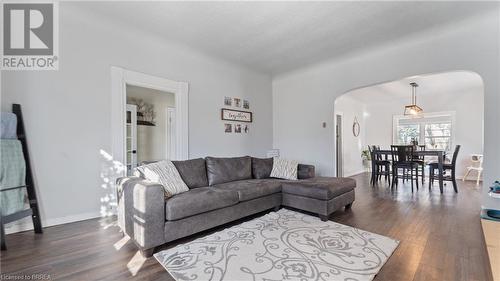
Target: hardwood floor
x=440, y=234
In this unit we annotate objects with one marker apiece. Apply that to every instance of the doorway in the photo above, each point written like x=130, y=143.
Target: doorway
x=338, y=146
x=148, y=136
x=452, y=105
x=123, y=153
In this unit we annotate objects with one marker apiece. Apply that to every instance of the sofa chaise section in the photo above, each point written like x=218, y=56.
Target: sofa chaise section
x=320, y=195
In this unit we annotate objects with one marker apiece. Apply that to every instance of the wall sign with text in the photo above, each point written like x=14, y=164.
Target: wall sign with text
x=236, y=115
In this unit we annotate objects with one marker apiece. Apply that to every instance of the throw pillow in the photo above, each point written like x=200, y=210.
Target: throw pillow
x=164, y=173
x=193, y=172
x=284, y=169
x=261, y=167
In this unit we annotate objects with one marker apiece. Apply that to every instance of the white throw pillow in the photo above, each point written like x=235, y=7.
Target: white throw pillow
x=164, y=173
x=284, y=169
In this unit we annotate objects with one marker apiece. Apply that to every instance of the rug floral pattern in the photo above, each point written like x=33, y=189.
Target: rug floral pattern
x=283, y=245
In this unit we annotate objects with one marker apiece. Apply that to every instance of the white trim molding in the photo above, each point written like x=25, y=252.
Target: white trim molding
x=121, y=77
x=27, y=224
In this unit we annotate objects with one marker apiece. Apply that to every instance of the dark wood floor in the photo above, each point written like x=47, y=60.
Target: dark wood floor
x=441, y=239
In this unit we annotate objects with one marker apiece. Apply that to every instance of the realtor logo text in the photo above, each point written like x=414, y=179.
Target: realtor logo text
x=30, y=38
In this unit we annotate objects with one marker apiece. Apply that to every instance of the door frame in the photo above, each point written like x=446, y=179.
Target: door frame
x=120, y=77
x=339, y=149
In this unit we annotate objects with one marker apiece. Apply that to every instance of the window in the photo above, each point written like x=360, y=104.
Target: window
x=438, y=136
x=407, y=133
x=434, y=130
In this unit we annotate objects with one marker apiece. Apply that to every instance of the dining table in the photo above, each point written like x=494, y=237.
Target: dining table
x=439, y=153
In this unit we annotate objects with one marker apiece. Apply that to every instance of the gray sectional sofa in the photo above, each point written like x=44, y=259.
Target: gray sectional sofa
x=221, y=190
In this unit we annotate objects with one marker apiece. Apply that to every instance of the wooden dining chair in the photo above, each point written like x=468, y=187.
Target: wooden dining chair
x=382, y=167
x=447, y=167
x=420, y=160
x=402, y=158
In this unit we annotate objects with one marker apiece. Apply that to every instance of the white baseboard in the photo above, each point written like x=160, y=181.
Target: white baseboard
x=27, y=224
x=350, y=174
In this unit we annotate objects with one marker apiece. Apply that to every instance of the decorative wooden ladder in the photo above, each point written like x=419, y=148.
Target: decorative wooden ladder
x=33, y=211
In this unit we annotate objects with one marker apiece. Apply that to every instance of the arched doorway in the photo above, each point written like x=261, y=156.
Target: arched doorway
x=453, y=113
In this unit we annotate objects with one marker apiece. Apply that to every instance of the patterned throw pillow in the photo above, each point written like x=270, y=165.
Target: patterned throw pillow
x=164, y=173
x=284, y=169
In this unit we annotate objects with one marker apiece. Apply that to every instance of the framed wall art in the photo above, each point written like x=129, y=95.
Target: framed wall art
x=236, y=115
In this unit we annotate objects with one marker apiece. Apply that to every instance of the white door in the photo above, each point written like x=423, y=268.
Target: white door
x=131, y=138
x=171, y=134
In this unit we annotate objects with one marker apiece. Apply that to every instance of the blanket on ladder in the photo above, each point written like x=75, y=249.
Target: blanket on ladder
x=12, y=174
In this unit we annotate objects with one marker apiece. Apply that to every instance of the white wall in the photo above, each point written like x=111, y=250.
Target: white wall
x=352, y=146
x=152, y=141
x=67, y=112
x=469, y=45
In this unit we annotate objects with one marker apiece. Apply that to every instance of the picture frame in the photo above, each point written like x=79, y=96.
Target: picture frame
x=236, y=115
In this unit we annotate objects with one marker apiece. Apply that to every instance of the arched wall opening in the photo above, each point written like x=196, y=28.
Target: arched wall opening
x=453, y=104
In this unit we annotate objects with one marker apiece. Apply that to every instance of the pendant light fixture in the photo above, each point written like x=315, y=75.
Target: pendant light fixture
x=413, y=109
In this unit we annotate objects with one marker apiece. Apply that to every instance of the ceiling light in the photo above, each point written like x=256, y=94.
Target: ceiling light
x=413, y=109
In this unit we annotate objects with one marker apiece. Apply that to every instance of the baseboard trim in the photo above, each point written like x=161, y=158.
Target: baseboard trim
x=355, y=173
x=26, y=223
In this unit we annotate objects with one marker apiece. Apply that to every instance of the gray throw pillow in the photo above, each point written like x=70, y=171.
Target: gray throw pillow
x=261, y=167
x=193, y=172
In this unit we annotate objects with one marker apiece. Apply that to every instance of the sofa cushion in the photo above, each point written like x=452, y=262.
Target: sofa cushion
x=193, y=172
x=197, y=201
x=221, y=170
x=323, y=188
x=251, y=189
x=261, y=167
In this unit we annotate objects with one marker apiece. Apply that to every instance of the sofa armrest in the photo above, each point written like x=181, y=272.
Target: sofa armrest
x=141, y=211
x=305, y=171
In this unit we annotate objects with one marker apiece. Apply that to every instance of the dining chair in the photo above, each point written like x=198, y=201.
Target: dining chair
x=420, y=160
x=477, y=165
x=447, y=167
x=402, y=158
x=382, y=166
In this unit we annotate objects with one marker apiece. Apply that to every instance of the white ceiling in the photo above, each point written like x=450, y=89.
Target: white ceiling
x=280, y=36
x=433, y=84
